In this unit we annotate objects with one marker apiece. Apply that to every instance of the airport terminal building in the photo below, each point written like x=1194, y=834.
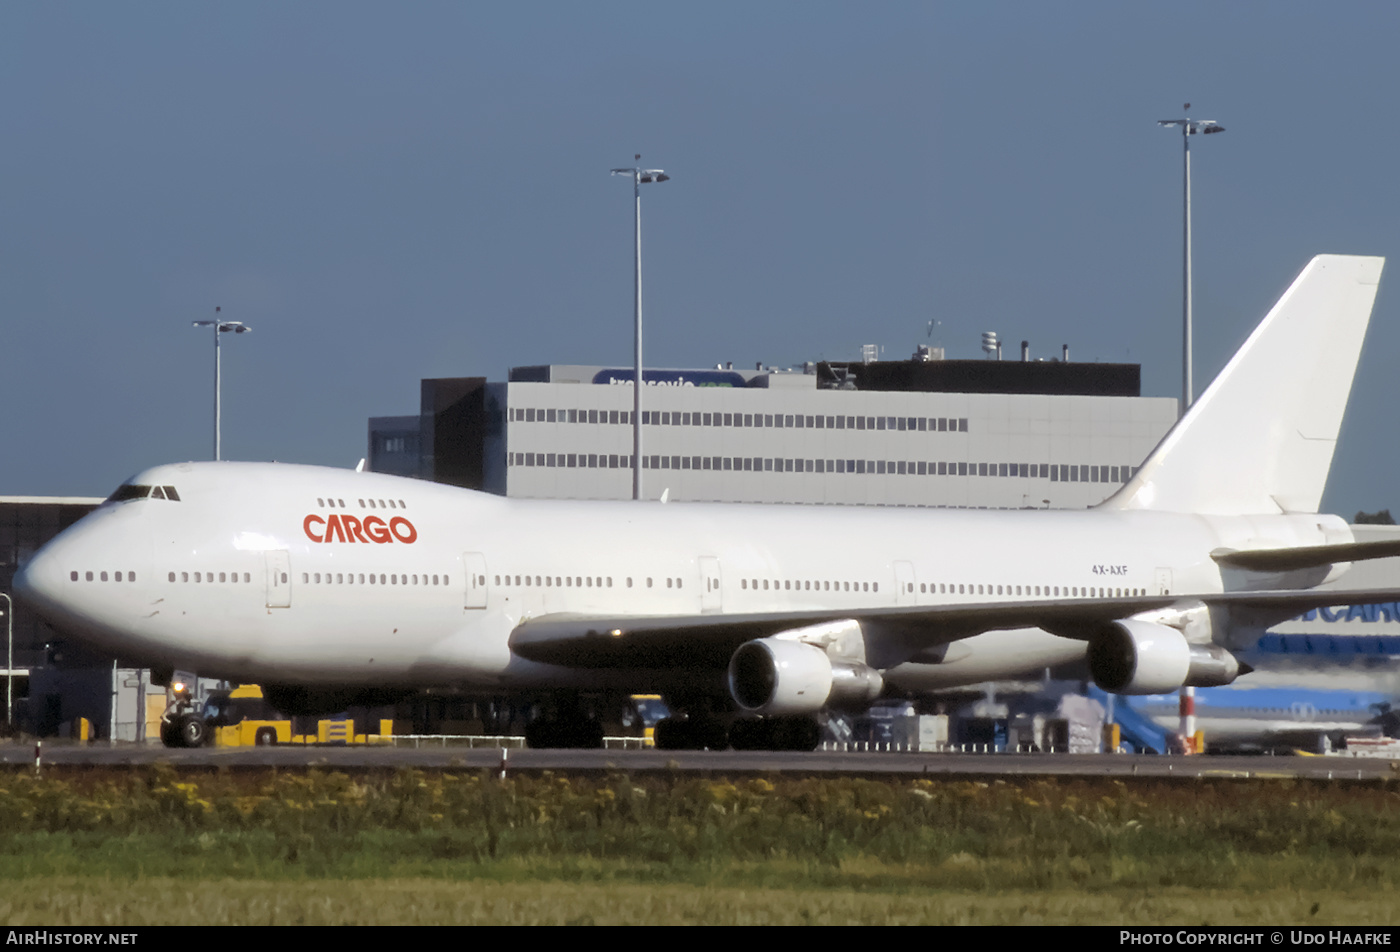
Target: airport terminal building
x=949, y=433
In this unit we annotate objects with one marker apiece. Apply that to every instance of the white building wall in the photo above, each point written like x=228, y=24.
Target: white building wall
x=574, y=441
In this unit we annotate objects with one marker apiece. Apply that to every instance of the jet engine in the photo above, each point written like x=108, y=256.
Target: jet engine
x=1143, y=657
x=780, y=676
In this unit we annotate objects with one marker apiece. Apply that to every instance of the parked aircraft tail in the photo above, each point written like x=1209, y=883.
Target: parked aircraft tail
x=1260, y=439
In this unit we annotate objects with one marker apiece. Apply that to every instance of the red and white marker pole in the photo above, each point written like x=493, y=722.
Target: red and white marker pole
x=1187, y=710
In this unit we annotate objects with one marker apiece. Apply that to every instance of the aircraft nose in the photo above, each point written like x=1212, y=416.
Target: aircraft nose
x=39, y=583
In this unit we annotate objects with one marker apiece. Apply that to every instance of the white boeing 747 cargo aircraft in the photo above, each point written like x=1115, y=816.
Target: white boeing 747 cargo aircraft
x=331, y=587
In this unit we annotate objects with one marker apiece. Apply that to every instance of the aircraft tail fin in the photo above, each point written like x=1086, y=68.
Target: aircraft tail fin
x=1260, y=439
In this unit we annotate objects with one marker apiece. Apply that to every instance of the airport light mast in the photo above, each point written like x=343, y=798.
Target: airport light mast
x=640, y=177
x=220, y=327
x=1189, y=127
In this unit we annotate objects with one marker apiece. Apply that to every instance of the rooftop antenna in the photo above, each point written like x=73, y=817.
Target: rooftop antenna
x=991, y=344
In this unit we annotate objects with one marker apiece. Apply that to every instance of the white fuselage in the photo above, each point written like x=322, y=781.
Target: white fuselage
x=295, y=574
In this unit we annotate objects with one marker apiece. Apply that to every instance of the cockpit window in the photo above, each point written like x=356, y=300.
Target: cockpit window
x=132, y=491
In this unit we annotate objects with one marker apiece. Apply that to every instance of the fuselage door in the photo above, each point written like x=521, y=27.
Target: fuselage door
x=475, y=564
x=710, y=600
x=903, y=583
x=1162, y=579
x=279, y=578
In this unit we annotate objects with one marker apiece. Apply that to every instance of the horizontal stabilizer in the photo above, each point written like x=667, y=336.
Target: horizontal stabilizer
x=1305, y=557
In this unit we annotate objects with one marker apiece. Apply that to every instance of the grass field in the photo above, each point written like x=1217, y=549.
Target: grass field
x=146, y=847
x=90, y=901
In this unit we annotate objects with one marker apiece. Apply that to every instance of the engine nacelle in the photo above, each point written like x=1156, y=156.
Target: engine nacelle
x=1142, y=657
x=779, y=676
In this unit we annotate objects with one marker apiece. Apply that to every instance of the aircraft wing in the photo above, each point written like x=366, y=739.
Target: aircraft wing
x=708, y=640
x=898, y=633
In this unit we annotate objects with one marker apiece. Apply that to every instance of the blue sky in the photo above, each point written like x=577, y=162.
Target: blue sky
x=388, y=192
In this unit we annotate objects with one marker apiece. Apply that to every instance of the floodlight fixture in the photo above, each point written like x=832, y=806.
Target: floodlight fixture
x=220, y=327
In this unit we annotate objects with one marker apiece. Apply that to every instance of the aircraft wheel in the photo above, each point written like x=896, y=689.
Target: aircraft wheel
x=749, y=734
x=539, y=734
x=588, y=735
x=713, y=736
x=668, y=734
x=543, y=732
x=192, y=731
x=775, y=733
x=802, y=734
x=265, y=737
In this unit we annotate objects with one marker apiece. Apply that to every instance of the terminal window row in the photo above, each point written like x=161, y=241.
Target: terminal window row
x=776, y=420
x=1055, y=473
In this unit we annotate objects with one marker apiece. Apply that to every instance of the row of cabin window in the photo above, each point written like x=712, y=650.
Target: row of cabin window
x=558, y=581
x=775, y=420
x=348, y=578
x=1052, y=472
x=810, y=586
x=575, y=581
x=308, y=578
x=1052, y=591
x=334, y=503
x=209, y=577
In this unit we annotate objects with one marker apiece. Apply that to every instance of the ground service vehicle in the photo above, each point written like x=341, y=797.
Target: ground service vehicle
x=242, y=717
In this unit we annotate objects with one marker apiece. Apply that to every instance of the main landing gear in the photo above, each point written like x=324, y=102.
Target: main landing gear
x=583, y=733
x=565, y=722
x=690, y=733
x=775, y=733
x=758, y=733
